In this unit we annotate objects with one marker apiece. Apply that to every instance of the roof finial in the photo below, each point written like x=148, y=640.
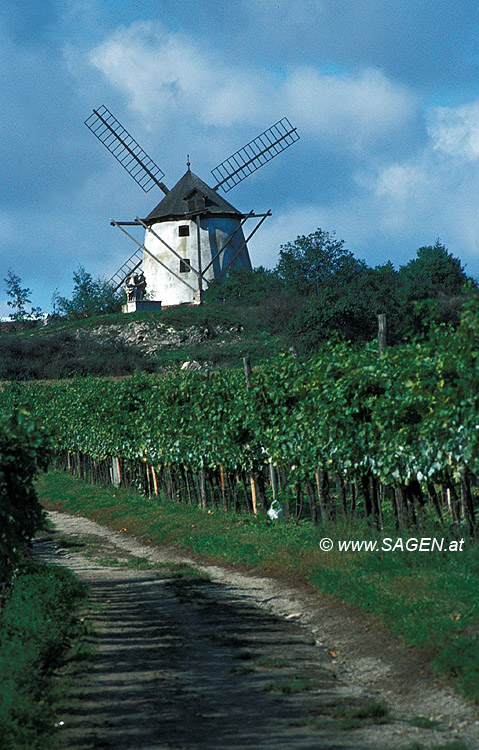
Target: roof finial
x=188, y=164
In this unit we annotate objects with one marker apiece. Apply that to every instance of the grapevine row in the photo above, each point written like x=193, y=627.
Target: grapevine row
x=346, y=431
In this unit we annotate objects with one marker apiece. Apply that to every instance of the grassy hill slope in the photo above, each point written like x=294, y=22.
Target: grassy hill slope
x=213, y=335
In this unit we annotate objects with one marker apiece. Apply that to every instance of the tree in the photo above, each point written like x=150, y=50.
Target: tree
x=346, y=310
x=434, y=270
x=19, y=298
x=244, y=287
x=431, y=289
x=90, y=297
x=313, y=259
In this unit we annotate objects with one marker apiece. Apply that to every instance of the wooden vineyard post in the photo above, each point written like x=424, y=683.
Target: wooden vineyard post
x=254, y=494
x=382, y=333
x=367, y=494
x=454, y=502
x=149, y=481
x=155, y=482
x=223, y=487
x=115, y=471
x=202, y=479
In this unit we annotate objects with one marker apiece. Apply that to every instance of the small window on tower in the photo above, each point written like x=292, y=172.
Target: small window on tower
x=185, y=265
x=184, y=231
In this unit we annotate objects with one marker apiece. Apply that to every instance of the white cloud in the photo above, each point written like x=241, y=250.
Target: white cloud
x=431, y=194
x=402, y=205
x=168, y=75
x=353, y=111
x=399, y=180
x=455, y=132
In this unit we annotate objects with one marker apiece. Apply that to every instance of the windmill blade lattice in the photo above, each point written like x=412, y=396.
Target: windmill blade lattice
x=257, y=152
x=125, y=149
x=131, y=264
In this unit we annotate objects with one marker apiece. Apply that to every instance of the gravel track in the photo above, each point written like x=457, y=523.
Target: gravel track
x=186, y=663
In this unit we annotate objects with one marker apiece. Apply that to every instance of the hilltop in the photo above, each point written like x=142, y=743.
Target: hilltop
x=318, y=292
x=211, y=336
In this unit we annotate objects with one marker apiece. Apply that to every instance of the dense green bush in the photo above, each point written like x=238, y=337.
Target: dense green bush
x=36, y=623
x=319, y=290
x=24, y=450
x=244, y=287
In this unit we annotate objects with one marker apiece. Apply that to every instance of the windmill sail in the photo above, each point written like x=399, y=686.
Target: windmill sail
x=257, y=152
x=134, y=261
x=192, y=221
x=125, y=149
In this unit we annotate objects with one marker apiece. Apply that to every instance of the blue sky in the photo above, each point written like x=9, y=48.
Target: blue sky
x=384, y=93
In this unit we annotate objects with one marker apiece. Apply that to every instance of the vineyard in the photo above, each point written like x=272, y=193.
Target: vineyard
x=392, y=437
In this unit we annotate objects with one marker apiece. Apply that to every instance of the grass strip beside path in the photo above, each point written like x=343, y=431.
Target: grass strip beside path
x=38, y=624
x=431, y=599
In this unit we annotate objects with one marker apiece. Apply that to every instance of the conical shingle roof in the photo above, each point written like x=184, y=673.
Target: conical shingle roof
x=190, y=194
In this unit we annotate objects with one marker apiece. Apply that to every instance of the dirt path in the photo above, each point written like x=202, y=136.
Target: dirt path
x=235, y=661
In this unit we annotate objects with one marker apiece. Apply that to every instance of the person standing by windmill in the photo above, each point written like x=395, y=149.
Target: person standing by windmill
x=135, y=287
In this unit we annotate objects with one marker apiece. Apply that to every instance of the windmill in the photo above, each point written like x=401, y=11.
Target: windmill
x=193, y=235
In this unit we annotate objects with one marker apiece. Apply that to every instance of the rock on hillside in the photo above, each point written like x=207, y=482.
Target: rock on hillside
x=150, y=337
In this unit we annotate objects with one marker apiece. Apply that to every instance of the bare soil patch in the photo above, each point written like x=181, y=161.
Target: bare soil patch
x=236, y=661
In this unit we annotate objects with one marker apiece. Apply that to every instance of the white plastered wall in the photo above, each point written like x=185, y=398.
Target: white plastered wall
x=214, y=232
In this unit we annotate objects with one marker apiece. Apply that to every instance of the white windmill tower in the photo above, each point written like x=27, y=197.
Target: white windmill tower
x=193, y=235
